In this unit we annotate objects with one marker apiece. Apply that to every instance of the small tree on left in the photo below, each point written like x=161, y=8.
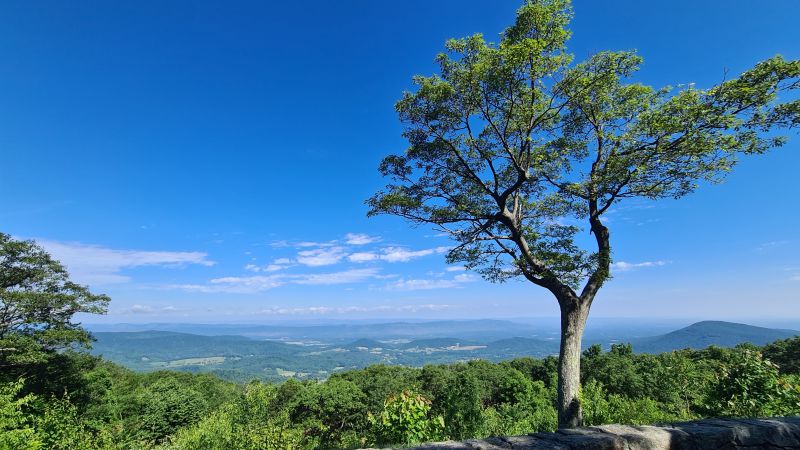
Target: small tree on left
x=38, y=303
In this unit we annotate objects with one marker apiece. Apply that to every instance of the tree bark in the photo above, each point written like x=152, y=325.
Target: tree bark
x=573, y=320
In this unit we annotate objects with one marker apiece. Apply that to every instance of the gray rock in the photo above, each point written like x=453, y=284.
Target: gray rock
x=718, y=434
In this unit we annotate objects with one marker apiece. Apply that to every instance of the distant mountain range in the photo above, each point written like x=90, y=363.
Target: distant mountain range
x=316, y=351
x=483, y=330
x=703, y=334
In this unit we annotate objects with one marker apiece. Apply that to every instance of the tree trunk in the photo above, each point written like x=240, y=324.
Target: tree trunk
x=573, y=319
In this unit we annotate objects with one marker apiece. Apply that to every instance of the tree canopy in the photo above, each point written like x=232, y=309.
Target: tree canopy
x=514, y=149
x=37, y=306
x=511, y=139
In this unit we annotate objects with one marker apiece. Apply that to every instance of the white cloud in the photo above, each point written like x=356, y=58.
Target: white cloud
x=437, y=235
x=247, y=284
x=360, y=257
x=148, y=309
x=795, y=278
x=623, y=266
x=456, y=269
x=94, y=265
x=387, y=277
x=306, y=244
x=267, y=268
x=399, y=254
x=321, y=256
x=260, y=283
x=141, y=309
x=361, y=239
x=426, y=284
x=347, y=276
x=772, y=245
x=465, y=277
x=302, y=244
x=235, y=285
x=394, y=254
x=323, y=310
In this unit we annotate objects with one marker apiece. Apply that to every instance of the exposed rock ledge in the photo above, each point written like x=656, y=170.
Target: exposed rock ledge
x=777, y=433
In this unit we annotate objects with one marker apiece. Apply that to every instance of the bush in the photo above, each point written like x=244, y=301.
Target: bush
x=406, y=419
x=253, y=422
x=750, y=386
x=16, y=432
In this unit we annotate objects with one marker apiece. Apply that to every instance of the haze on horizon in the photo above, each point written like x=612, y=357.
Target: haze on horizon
x=210, y=166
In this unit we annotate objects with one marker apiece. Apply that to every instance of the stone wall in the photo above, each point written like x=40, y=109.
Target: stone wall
x=777, y=433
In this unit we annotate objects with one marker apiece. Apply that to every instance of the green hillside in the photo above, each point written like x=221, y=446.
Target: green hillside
x=702, y=334
x=240, y=358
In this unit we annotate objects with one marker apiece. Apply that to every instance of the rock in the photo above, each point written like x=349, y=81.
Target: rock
x=718, y=434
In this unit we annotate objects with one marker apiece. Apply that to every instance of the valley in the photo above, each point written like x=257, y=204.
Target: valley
x=317, y=351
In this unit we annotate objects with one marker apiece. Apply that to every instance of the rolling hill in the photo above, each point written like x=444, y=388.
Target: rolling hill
x=702, y=334
x=311, y=352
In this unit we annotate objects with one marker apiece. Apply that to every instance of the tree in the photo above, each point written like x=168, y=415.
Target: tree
x=514, y=150
x=165, y=406
x=332, y=411
x=786, y=354
x=37, y=305
x=16, y=431
x=750, y=386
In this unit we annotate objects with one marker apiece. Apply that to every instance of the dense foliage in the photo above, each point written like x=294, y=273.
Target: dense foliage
x=37, y=305
x=515, y=149
x=109, y=407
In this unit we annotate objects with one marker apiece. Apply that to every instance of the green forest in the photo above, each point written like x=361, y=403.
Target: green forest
x=71, y=400
x=55, y=395
x=517, y=152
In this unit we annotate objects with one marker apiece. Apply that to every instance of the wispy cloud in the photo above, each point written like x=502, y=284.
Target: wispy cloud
x=361, y=239
x=394, y=254
x=426, y=284
x=400, y=254
x=260, y=283
x=321, y=256
x=96, y=265
x=347, y=276
x=274, y=267
x=234, y=285
x=623, y=266
x=421, y=284
x=360, y=257
x=282, y=243
x=326, y=310
x=148, y=309
x=306, y=244
x=766, y=246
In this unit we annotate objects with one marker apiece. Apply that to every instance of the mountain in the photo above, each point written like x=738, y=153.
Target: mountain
x=241, y=358
x=437, y=343
x=316, y=352
x=365, y=343
x=148, y=350
x=523, y=346
x=702, y=334
x=345, y=333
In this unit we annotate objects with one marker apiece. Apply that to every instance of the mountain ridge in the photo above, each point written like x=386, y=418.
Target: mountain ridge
x=711, y=332
x=304, y=355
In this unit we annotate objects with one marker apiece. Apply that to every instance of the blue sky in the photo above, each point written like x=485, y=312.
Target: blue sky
x=208, y=162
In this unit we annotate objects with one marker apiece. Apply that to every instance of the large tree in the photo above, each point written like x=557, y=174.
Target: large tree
x=514, y=149
x=37, y=307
